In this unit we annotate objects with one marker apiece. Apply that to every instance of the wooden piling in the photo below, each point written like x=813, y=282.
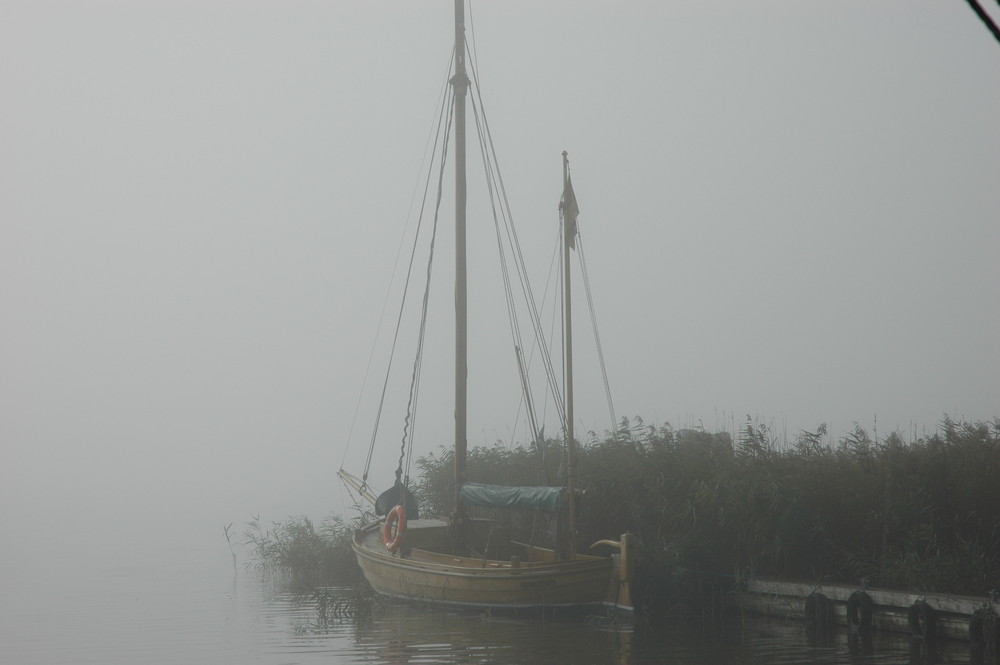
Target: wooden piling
x=922, y=615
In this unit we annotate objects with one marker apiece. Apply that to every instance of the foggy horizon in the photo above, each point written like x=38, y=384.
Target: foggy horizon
x=790, y=212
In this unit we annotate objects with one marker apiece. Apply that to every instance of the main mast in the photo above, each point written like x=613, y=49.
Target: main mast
x=460, y=82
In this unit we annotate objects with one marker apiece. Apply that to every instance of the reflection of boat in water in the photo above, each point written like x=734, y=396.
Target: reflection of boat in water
x=391, y=633
x=470, y=562
x=434, y=635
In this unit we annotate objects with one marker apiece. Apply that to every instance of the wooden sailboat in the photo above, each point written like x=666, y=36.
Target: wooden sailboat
x=463, y=561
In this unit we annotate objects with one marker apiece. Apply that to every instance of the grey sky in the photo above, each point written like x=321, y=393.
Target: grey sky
x=789, y=208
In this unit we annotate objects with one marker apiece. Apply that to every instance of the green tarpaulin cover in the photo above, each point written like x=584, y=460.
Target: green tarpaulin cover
x=520, y=498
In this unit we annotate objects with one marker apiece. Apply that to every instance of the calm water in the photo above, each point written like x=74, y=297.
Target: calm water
x=145, y=602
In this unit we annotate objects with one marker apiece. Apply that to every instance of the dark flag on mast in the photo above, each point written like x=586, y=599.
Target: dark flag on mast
x=570, y=212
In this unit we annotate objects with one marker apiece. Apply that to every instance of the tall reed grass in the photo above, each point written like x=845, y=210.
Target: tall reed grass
x=708, y=510
x=310, y=557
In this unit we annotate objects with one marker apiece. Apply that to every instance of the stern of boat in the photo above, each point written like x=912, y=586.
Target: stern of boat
x=619, y=596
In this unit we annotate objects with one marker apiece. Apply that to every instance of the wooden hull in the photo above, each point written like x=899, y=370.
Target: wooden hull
x=530, y=579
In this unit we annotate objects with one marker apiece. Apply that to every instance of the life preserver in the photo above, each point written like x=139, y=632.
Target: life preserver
x=977, y=632
x=860, y=613
x=397, y=517
x=819, y=611
x=921, y=618
x=984, y=630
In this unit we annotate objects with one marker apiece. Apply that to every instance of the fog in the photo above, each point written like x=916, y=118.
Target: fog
x=789, y=210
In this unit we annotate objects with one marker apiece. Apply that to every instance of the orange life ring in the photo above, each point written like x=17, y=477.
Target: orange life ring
x=396, y=516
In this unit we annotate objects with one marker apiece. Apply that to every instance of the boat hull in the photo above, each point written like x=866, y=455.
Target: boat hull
x=434, y=577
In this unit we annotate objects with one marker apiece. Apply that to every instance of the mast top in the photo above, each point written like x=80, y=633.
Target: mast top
x=461, y=79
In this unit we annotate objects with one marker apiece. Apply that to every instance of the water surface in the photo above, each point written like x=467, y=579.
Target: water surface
x=143, y=601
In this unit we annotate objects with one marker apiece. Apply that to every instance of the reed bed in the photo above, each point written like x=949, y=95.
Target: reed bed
x=708, y=510
x=310, y=557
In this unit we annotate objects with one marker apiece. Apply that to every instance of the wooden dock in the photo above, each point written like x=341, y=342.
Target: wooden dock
x=925, y=616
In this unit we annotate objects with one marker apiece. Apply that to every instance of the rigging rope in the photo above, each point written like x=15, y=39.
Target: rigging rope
x=578, y=244
x=555, y=263
x=510, y=255
x=526, y=399
x=385, y=302
x=444, y=114
x=418, y=362
x=597, y=332
x=985, y=18
x=512, y=314
x=489, y=156
x=512, y=317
